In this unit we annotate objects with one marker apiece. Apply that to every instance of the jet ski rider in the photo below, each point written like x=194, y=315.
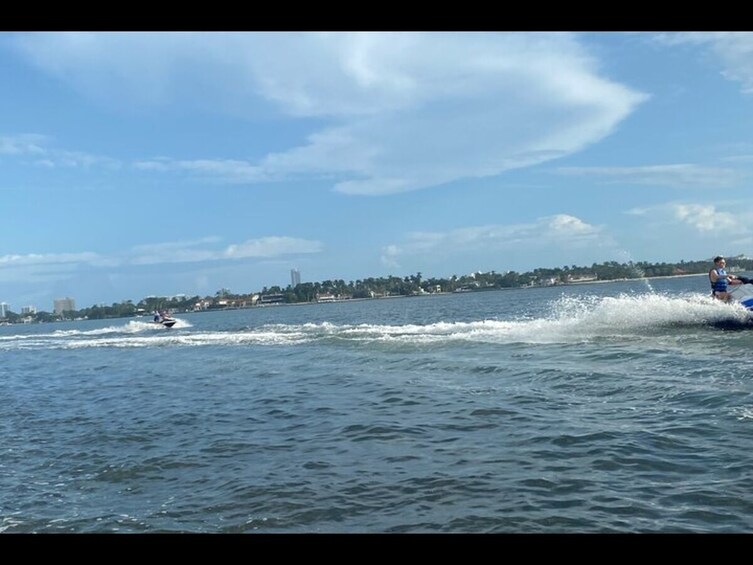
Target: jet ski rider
x=720, y=279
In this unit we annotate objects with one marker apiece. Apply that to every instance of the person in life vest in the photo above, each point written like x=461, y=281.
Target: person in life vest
x=720, y=279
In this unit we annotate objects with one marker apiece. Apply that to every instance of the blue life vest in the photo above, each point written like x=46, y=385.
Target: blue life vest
x=721, y=282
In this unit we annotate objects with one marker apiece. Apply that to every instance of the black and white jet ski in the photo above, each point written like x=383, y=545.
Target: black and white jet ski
x=170, y=322
x=164, y=319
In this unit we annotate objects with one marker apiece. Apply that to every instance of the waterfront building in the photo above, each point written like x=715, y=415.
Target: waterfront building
x=63, y=304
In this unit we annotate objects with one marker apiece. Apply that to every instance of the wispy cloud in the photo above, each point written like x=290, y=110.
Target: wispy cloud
x=51, y=259
x=745, y=159
x=734, y=50
x=29, y=144
x=272, y=246
x=36, y=149
x=172, y=246
x=48, y=267
x=561, y=230
x=406, y=110
x=203, y=250
x=223, y=170
x=674, y=176
x=174, y=251
x=80, y=159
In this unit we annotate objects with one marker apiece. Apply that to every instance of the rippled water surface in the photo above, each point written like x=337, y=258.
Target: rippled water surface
x=618, y=407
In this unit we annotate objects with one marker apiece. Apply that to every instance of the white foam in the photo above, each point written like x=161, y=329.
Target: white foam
x=570, y=320
x=110, y=336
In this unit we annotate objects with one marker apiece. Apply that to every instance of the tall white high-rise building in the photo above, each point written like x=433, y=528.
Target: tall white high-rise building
x=63, y=304
x=295, y=277
x=4, y=308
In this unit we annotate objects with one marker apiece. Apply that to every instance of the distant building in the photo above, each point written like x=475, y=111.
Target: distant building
x=28, y=310
x=63, y=304
x=295, y=277
x=272, y=298
x=201, y=305
x=4, y=308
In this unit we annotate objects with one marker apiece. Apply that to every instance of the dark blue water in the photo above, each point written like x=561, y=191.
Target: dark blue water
x=618, y=407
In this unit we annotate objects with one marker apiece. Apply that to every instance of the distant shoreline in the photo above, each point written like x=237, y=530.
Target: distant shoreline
x=467, y=291
x=635, y=279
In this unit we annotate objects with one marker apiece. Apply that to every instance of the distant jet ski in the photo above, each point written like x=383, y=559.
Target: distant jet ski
x=164, y=319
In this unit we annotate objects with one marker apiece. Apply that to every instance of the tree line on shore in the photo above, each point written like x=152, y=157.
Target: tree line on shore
x=374, y=287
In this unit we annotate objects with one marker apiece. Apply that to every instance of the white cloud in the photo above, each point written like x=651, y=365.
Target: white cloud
x=461, y=113
x=13, y=260
x=224, y=170
x=29, y=144
x=705, y=219
x=674, y=176
x=569, y=226
x=560, y=230
x=157, y=164
x=171, y=246
x=390, y=255
x=104, y=65
x=271, y=247
x=54, y=266
x=734, y=50
x=745, y=159
x=174, y=251
x=46, y=267
x=79, y=159
x=37, y=147
x=202, y=250
x=29, y=274
x=406, y=110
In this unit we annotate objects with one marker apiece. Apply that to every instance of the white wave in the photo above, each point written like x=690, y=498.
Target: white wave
x=100, y=337
x=593, y=316
x=7, y=522
x=570, y=320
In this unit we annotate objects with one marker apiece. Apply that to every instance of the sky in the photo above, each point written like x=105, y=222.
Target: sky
x=148, y=163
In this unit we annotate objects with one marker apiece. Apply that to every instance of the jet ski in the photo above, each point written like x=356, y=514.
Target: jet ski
x=164, y=319
x=742, y=293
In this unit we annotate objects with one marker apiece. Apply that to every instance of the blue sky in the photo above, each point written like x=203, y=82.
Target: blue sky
x=137, y=164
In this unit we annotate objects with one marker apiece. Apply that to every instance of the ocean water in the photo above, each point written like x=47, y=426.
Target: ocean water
x=615, y=407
